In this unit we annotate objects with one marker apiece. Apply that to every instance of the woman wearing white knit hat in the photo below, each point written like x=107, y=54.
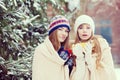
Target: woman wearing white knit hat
x=94, y=60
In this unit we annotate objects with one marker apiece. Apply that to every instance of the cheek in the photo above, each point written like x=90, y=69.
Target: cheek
x=89, y=32
x=80, y=33
x=67, y=34
x=89, y=35
x=59, y=33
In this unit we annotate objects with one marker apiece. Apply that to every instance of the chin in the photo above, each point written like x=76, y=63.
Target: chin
x=62, y=41
x=85, y=39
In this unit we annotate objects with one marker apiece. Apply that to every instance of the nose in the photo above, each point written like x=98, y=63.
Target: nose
x=64, y=32
x=84, y=30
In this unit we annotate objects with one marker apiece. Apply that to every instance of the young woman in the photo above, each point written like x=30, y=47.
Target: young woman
x=51, y=58
x=94, y=60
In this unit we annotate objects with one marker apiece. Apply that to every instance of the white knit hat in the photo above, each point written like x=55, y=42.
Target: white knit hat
x=84, y=19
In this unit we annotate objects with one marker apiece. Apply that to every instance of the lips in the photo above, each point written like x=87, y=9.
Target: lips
x=84, y=35
x=63, y=37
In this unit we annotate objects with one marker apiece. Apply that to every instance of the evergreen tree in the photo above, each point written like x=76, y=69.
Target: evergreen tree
x=23, y=25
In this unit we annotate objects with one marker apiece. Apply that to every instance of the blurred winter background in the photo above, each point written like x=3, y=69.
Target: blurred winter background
x=23, y=25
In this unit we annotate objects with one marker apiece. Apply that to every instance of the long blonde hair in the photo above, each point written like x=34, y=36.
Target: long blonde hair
x=56, y=44
x=96, y=48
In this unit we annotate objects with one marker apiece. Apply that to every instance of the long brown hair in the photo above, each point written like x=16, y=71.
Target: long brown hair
x=96, y=48
x=56, y=44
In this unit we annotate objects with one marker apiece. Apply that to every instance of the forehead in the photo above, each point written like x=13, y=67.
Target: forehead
x=62, y=27
x=85, y=24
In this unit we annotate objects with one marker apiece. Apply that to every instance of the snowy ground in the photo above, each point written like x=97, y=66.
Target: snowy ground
x=118, y=73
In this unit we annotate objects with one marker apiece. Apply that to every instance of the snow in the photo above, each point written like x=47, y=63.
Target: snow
x=117, y=70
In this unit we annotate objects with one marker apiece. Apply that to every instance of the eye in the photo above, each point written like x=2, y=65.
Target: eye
x=59, y=28
x=67, y=31
x=63, y=29
x=88, y=27
x=80, y=27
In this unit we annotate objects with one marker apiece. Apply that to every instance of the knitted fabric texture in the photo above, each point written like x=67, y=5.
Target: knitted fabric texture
x=57, y=22
x=84, y=19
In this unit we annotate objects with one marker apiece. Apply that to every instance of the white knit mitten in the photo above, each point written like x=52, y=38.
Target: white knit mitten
x=88, y=54
x=79, y=73
x=77, y=50
x=89, y=59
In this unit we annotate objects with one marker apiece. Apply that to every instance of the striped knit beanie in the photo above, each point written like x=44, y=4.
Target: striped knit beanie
x=57, y=22
x=84, y=19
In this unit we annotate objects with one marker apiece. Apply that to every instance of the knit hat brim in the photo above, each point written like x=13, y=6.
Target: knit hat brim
x=58, y=26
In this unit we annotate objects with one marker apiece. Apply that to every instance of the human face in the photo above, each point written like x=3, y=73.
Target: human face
x=62, y=34
x=84, y=32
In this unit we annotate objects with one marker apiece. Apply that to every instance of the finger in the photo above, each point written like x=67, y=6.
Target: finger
x=87, y=48
x=88, y=45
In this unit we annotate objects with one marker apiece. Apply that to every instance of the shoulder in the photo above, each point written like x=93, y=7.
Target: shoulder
x=102, y=41
x=39, y=48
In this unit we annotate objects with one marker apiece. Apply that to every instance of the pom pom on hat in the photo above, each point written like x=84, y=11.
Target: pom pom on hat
x=84, y=19
x=57, y=22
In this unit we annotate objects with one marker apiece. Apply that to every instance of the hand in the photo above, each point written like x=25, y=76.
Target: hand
x=71, y=61
x=87, y=49
x=88, y=53
x=64, y=54
x=77, y=50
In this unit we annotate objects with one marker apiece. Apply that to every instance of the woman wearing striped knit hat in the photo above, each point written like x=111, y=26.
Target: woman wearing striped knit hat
x=51, y=58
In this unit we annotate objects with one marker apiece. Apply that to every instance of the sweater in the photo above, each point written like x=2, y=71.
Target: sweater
x=83, y=71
